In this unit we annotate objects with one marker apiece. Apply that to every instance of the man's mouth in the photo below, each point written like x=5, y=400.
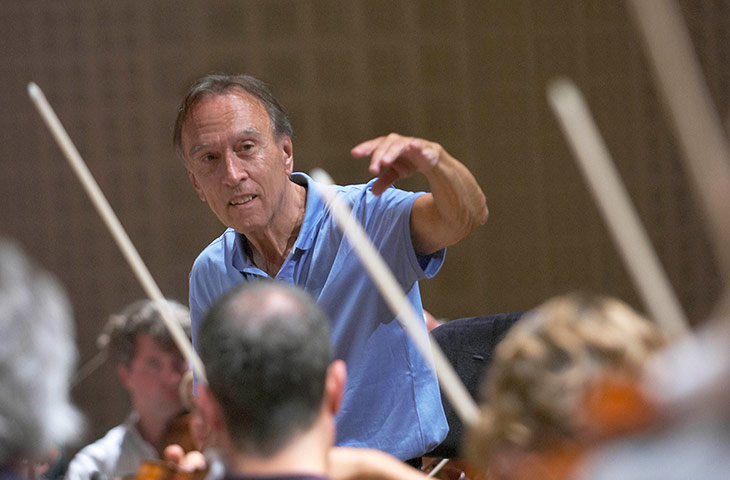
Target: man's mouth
x=242, y=200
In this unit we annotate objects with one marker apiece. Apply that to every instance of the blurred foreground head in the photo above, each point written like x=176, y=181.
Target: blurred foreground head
x=37, y=356
x=266, y=350
x=546, y=365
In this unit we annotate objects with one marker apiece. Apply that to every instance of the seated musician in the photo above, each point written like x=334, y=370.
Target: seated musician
x=36, y=361
x=542, y=400
x=150, y=368
x=274, y=389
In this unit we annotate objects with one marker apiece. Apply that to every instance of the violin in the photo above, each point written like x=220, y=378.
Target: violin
x=178, y=432
x=166, y=470
x=613, y=406
x=177, y=445
x=616, y=405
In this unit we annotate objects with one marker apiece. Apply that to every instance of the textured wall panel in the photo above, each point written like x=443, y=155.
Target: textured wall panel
x=470, y=74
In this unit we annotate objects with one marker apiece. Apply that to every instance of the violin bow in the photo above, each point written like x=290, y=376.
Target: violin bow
x=706, y=155
x=615, y=205
x=705, y=152
x=395, y=297
x=115, y=228
x=702, y=139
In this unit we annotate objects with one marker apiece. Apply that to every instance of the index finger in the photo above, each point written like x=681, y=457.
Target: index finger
x=173, y=453
x=365, y=148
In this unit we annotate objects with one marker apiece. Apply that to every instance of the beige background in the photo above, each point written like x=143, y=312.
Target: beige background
x=470, y=74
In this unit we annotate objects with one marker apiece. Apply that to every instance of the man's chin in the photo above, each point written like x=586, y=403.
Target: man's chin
x=248, y=224
x=171, y=409
x=246, y=228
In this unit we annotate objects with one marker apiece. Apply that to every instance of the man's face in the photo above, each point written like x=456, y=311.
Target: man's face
x=153, y=377
x=234, y=161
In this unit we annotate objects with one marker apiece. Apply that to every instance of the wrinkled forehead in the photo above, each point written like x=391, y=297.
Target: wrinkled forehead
x=223, y=114
x=233, y=100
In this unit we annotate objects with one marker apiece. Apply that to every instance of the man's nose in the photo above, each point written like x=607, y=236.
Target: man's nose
x=172, y=375
x=235, y=169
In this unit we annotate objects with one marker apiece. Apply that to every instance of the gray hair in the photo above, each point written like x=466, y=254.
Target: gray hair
x=37, y=358
x=220, y=84
x=266, y=350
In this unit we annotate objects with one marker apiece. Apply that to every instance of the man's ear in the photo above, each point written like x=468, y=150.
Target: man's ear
x=197, y=188
x=124, y=375
x=334, y=385
x=209, y=408
x=287, y=149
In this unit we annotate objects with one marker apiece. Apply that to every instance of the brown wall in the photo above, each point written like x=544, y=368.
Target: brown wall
x=470, y=74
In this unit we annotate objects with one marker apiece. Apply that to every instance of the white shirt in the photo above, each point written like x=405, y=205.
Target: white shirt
x=119, y=453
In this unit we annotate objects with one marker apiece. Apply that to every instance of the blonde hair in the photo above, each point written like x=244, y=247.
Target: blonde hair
x=545, y=364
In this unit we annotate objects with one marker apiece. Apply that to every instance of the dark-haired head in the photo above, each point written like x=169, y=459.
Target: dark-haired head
x=266, y=351
x=221, y=84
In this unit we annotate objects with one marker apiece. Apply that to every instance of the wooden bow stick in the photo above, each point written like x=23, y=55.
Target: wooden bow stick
x=703, y=141
x=615, y=206
x=705, y=364
x=396, y=299
x=115, y=228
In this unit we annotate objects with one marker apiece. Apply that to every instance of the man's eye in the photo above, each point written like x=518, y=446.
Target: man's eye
x=181, y=365
x=154, y=364
x=208, y=158
x=245, y=147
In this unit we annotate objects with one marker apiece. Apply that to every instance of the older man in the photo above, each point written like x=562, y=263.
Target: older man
x=236, y=143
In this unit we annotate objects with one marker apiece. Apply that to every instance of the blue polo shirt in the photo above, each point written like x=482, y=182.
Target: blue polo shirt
x=392, y=399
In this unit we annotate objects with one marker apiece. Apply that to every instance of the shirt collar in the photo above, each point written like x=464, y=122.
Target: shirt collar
x=132, y=424
x=312, y=214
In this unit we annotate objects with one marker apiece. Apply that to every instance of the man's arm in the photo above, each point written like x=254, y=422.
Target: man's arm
x=350, y=463
x=456, y=203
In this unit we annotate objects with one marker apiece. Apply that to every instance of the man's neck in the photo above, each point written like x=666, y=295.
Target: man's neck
x=269, y=248
x=151, y=427
x=305, y=455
